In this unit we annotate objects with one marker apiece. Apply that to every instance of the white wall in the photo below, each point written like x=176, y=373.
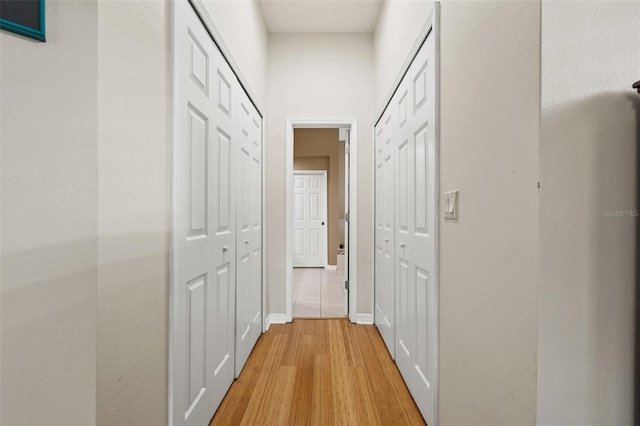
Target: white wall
x=134, y=148
x=48, y=105
x=398, y=27
x=318, y=76
x=489, y=257
x=589, y=161
x=244, y=31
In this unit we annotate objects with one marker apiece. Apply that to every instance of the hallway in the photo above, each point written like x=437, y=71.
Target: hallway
x=320, y=372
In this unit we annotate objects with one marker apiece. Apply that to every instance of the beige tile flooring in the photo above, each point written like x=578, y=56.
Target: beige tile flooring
x=318, y=293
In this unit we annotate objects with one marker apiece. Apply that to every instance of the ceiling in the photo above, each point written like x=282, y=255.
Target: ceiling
x=321, y=16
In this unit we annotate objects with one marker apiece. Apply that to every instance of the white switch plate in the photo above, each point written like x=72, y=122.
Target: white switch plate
x=451, y=205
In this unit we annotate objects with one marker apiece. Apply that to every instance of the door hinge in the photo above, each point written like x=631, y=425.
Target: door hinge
x=347, y=148
x=346, y=285
x=346, y=217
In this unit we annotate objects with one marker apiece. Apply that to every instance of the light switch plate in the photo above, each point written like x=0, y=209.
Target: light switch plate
x=451, y=205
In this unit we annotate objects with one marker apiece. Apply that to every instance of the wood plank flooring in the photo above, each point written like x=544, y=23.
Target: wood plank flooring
x=319, y=372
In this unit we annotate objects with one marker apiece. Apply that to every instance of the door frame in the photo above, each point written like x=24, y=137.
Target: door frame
x=325, y=209
x=326, y=123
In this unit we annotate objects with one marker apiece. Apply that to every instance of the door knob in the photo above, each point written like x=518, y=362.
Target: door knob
x=225, y=248
x=386, y=240
x=401, y=245
x=246, y=241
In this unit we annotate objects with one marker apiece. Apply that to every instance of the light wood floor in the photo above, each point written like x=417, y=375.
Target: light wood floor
x=319, y=372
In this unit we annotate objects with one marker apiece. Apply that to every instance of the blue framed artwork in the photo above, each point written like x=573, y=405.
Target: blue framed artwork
x=24, y=17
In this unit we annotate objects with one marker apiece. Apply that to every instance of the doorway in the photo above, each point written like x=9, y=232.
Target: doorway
x=337, y=274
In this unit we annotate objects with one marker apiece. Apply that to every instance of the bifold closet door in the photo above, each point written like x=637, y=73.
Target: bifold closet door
x=423, y=226
x=405, y=240
x=384, y=311
x=204, y=224
x=415, y=218
x=249, y=231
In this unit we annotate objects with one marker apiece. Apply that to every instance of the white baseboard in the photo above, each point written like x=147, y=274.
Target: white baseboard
x=364, y=319
x=274, y=319
x=331, y=267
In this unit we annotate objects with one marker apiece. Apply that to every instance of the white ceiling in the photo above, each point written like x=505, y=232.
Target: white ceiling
x=321, y=16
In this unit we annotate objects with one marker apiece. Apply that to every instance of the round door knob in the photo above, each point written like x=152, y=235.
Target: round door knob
x=246, y=241
x=225, y=248
x=323, y=223
x=401, y=245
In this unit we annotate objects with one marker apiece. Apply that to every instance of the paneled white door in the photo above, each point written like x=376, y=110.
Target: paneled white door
x=310, y=217
x=384, y=296
x=249, y=231
x=405, y=291
x=416, y=217
x=204, y=223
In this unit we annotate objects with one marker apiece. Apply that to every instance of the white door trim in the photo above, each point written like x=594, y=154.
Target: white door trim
x=325, y=256
x=312, y=123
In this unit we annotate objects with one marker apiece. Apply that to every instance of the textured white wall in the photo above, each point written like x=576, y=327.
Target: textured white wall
x=398, y=27
x=48, y=111
x=589, y=162
x=243, y=29
x=489, y=257
x=133, y=212
x=318, y=76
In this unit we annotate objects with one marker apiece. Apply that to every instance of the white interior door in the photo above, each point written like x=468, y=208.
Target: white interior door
x=249, y=231
x=416, y=201
x=310, y=218
x=203, y=224
x=384, y=296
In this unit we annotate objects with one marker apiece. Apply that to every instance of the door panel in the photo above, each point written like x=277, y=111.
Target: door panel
x=405, y=292
x=204, y=299
x=196, y=308
x=198, y=173
x=384, y=310
x=422, y=241
x=222, y=184
x=249, y=228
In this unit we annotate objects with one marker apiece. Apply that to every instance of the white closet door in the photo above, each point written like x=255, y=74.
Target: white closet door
x=203, y=244
x=420, y=241
x=384, y=239
x=249, y=230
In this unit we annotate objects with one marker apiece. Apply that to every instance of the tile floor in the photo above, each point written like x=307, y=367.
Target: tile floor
x=318, y=293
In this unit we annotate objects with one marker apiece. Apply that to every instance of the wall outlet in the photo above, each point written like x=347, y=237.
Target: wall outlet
x=451, y=205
